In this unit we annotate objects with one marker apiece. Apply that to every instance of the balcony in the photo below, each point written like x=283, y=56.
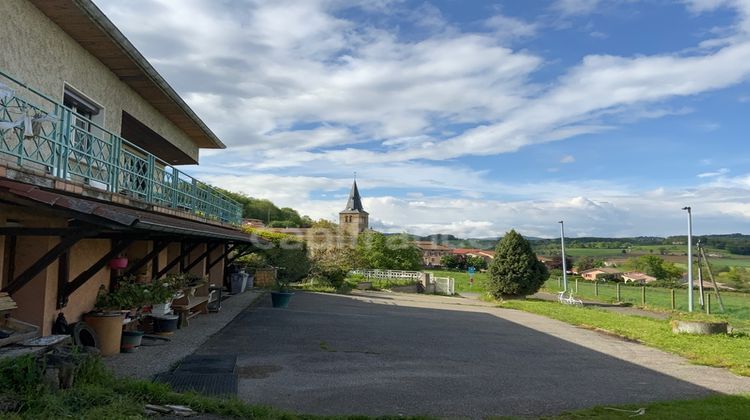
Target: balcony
x=40, y=133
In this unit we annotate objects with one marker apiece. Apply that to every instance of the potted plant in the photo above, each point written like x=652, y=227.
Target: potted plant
x=160, y=296
x=281, y=296
x=118, y=263
x=106, y=321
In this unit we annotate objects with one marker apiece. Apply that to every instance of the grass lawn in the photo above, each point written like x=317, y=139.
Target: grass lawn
x=737, y=305
x=714, y=407
x=462, y=280
x=730, y=351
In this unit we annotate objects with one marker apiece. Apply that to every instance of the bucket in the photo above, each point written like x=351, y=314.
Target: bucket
x=130, y=340
x=108, y=329
x=165, y=323
x=280, y=299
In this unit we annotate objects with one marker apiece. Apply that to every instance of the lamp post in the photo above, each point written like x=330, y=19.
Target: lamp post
x=562, y=248
x=690, y=258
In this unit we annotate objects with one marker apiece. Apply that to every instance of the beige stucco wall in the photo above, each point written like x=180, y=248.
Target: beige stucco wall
x=41, y=54
x=200, y=268
x=82, y=256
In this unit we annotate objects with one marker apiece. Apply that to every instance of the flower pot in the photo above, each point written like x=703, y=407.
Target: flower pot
x=161, y=308
x=280, y=299
x=118, y=263
x=108, y=329
x=130, y=340
x=165, y=323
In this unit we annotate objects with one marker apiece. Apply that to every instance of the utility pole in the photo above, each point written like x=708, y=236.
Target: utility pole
x=690, y=258
x=562, y=248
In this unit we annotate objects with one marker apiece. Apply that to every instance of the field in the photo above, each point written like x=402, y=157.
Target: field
x=737, y=305
x=462, y=280
x=676, y=254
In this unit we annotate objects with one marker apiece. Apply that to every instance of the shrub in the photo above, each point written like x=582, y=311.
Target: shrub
x=515, y=271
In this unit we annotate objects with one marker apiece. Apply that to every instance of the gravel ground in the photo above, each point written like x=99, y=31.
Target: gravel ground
x=147, y=361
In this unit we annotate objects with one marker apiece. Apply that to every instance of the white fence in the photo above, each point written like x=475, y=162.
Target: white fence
x=444, y=285
x=389, y=274
x=441, y=285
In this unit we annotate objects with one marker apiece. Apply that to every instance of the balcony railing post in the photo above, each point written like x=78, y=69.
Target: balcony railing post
x=65, y=140
x=175, y=187
x=150, y=178
x=114, y=163
x=195, y=195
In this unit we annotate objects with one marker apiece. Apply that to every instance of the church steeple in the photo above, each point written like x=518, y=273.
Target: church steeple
x=355, y=201
x=354, y=219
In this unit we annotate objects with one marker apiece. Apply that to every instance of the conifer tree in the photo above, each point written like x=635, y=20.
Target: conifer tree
x=515, y=271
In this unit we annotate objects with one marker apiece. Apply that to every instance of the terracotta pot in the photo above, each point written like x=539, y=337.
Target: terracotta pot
x=108, y=329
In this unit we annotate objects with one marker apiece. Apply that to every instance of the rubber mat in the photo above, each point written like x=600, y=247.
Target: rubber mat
x=208, y=363
x=211, y=374
x=217, y=384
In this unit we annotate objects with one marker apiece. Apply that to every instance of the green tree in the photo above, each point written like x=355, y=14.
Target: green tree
x=451, y=261
x=477, y=262
x=588, y=262
x=515, y=271
x=655, y=266
x=393, y=252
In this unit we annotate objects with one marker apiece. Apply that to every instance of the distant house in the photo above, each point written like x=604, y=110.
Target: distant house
x=432, y=252
x=487, y=256
x=637, y=277
x=597, y=273
x=253, y=223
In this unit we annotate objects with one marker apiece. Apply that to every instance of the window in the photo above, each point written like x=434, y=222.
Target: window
x=85, y=111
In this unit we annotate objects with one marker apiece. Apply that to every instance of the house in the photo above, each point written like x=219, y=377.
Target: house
x=599, y=273
x=432, y=252
x=89, y=136
x=637, y=277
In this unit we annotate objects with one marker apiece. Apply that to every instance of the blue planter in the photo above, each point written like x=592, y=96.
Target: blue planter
x=280, y=299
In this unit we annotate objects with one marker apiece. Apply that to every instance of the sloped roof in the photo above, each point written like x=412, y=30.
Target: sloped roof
x=354, y=204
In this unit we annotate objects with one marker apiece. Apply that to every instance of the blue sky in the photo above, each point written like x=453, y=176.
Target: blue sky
x=469, y=117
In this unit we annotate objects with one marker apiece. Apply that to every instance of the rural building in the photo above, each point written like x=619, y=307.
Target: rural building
x=600, y=273
x=89, y=134
x=354, y=219
x=637, y=277
x=432, y=252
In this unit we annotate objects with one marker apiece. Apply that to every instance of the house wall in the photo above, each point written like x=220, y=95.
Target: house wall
x=41, y=54
x=216, y=274
x=82, y=256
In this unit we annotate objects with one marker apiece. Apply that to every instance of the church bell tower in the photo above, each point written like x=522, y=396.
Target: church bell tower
x=354, y=218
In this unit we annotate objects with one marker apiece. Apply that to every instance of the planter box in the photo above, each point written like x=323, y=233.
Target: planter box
x=699, y=327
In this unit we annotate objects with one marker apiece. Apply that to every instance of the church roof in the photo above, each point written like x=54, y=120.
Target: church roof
x=354, y=205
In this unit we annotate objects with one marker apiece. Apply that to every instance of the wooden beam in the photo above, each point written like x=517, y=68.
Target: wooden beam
x=221, y=257
x=177, y=260
x=82, y=278
x=63, y=271
x=158, y=247
x=248, y=249
x=209, y=249
x=42, y=263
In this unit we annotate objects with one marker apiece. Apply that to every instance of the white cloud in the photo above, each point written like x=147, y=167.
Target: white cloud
x=719, y=172
x=575, y=7
x=568, y=159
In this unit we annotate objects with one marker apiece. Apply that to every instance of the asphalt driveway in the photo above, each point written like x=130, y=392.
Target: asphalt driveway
x=391, y=354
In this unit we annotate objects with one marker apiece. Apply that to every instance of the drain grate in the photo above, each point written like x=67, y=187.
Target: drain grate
x=209, y=363
x=211, y=374
x=223, y=384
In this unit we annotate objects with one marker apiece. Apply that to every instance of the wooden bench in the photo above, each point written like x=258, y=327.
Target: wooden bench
x=193, y=303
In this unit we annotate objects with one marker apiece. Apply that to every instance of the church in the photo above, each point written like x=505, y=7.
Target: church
x=354, y=219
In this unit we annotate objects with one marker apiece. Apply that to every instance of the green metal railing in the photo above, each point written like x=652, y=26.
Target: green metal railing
x=36, y=130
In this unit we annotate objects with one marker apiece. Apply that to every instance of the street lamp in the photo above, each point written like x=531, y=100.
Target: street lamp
x=562, y=248
x=690, y=258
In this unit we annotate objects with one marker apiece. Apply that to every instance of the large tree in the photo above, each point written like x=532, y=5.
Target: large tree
x=515, y=271
x=392, y=252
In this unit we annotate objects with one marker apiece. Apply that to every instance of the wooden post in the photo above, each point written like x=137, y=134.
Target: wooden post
x=708, y=303
x=559, y=282
x=596, y=288
x=671, y=292
x=576, y=285
x=617, y=292
x=643, y=295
